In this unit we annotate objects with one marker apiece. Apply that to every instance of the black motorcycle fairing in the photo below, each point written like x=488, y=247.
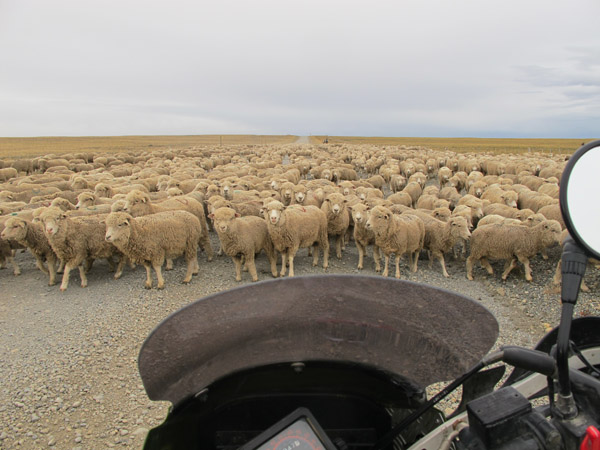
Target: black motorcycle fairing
x=424, y=333
x=352, y=402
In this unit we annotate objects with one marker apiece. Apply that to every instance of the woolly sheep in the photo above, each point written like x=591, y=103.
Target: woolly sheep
x=31, y=235
x=495, y=194
x=243, y=237
x=138, y=204
x=398, y=234
x=338, y=219
x=77, y=240
x=363, y=236
x=510, y=243
x=151, y=239
x=295, y=227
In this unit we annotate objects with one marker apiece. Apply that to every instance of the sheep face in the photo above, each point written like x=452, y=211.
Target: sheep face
x=459, y=227
x=51, y=220
x=15, y=228
x=85, y=200
x=379, y=219
x=273, y=212
x=510, y=199
x=223, y=217
x=118, y=227
x=360, y=214
x=299, y=196
x=135, y=203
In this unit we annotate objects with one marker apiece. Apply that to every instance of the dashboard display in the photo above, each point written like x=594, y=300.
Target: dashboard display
x=298, y=431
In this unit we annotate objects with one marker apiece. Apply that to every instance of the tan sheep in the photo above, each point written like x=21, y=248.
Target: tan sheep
x=138, y=204
x=510, y=243
x=295, y=227
x=398, y=234
x=77, y=241
x=151, y=239
x=243, y=237
x=495, y=194
x=31, y=235
x=338, y=219
x=363, y=236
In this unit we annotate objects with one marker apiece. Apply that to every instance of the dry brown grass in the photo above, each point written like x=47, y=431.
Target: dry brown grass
x=26, y=147
x=466, y=145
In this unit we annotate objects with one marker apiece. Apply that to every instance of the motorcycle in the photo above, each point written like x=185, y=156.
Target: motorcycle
x=342, y=362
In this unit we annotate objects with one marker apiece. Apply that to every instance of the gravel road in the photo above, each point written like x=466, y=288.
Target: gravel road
x=69, y=360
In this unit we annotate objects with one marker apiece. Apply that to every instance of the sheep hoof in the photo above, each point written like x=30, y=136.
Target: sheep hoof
x=160, y=286
x=148, y=286
x=17, y=272
x=359, y=267
x=63, y=289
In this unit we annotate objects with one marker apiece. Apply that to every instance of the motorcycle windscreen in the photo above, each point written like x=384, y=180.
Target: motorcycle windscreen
x=420, y=332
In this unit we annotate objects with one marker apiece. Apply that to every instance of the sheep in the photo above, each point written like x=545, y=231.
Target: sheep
x=397, y=183
x=77, y=240
x=7, y=173
x=138, y=204
x=398, y=234
x=415, y=190
x=151, y=239
x=88, y=199
x=444, y=174
x=243, y=237
x=441, y=237
x=401, y=198
x=495, y=194
x=552, y=212
x=293, y=227
x=496, y=218
x=511, y=242
x=31, y=235
x=338, y=219
x=363, y=236
x=507, y=211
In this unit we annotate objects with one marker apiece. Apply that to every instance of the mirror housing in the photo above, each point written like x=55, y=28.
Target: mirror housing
x=579, y=204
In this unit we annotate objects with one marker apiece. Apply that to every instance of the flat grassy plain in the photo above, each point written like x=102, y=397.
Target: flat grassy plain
x=15, y=147
x=467, y=145
x=37, y=146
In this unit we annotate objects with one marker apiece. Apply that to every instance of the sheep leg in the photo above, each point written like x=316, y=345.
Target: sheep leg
x=237, y=262
x=508, y=267
x=120, y=265
x=338, y=246
x=283, y=262
x=470, y=267
x=377, y=258
x=315, y=252
x=398, y=264
x=196, y=268
x=557, y=273
x=157, y=269
x=65, y=279
x=13, y=263
x=61, y=266
x=415, y=260
x=361, y=254
x=525, y=261
x=487, y=266
x=88, y=264
x=386, y=265
x=291, y=254
x=430, y=255
x=169, y=264
x=40, y=264
x=148, y=284
x=190, y=268
x=111, y=264
x=52, y=271
x=82, y=276
x=251, y=266
x=325, y=248
x=440, y=257
x=544, y=254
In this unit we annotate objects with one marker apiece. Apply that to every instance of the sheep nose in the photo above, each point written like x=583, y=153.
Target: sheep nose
x=108, y=238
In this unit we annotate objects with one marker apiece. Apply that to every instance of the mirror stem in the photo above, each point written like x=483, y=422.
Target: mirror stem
x=574, y=262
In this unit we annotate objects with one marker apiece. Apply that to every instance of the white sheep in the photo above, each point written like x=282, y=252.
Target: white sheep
x=338, y=219
x=511, y=242
x=295, y=227
x=398, y=234
x=77, y=241
x=363, y=236
x=31, y=235
x=151, y=239
x=243, y=237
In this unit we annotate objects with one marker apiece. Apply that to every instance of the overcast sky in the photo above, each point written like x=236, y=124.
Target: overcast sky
x=447, y=68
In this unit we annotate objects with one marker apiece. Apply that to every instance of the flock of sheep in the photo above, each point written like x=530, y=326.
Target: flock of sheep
x=150, y=207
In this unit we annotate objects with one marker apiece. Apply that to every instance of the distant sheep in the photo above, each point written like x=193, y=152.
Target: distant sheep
x=338, y=219
x=364, y=236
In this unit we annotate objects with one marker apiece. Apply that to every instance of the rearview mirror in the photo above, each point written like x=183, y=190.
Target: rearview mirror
x=580, y=197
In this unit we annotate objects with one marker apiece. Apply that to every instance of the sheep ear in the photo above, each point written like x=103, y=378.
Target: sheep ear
x=386, y=216
x=211, y=216
x=238, y=215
